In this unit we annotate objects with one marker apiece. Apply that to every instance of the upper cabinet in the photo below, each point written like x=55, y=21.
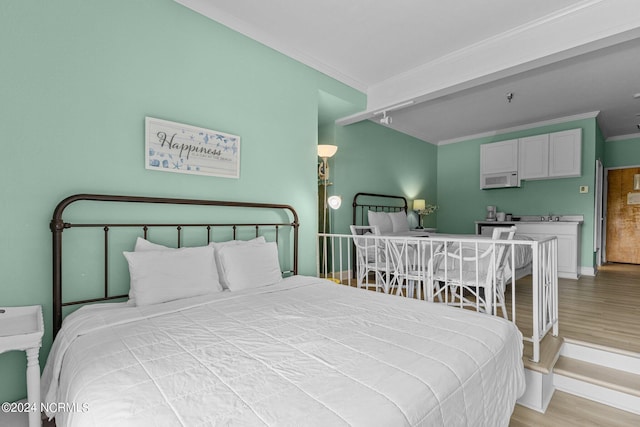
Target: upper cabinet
x=534, y=157
x=499, y=157
x=554, y=155
x=546, y=156
x=565, y=153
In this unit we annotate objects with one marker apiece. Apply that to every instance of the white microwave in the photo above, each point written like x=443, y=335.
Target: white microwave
x=499, y=180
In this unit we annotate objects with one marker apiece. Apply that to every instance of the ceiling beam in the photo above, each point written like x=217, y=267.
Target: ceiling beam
x=582, y=28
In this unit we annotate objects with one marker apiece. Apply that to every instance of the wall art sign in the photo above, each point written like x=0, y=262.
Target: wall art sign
x=176, y=147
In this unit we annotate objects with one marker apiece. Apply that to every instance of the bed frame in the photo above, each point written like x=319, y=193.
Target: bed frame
x=363, y=202
x=58, y=226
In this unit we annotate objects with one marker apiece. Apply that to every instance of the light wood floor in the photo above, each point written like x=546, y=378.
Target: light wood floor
x=603, y=310
x=566, y=410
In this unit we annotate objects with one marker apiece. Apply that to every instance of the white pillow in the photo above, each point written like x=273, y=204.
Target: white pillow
x=145, y=245
x=250, y=265
x=399, y=221
x=218, y=247
x=382, y=220
x=170, y=274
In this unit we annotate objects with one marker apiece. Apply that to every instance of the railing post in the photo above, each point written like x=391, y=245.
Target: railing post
x=536, y=302
x=554, y=283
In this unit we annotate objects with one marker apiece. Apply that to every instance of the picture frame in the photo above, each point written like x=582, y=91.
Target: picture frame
x=181, y=148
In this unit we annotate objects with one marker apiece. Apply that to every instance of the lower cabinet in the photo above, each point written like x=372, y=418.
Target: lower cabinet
x=568, y=235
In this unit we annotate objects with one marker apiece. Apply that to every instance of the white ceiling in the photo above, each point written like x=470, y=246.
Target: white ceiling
x=456, y=60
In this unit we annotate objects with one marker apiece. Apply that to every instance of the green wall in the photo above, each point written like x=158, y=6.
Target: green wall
x=78, y=79
x=374, y=159
x=462, y=202
x=620, y=153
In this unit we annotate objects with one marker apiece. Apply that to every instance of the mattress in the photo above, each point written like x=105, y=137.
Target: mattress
x=304, y=351
x=522, y=258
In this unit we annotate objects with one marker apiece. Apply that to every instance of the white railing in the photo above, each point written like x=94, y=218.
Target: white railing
x=464, y=271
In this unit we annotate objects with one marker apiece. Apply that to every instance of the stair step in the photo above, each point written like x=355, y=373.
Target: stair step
x=610, y=378
x=549, y=352
x=602, y=355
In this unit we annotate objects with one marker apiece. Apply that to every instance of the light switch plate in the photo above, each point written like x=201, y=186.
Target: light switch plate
x=584, y=188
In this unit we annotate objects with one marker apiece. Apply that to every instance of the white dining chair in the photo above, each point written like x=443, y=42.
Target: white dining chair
x=409, y=261
x=474, y=275
x=372, y=258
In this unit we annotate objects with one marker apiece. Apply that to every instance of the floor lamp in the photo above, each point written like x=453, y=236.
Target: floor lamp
x=325, y=152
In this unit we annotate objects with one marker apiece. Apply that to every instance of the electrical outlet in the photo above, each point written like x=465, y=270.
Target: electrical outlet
x=584, y=188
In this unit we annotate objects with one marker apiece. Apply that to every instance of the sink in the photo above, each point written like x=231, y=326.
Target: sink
x=551, y=218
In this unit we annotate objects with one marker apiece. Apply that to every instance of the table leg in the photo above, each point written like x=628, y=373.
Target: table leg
x=33, y=386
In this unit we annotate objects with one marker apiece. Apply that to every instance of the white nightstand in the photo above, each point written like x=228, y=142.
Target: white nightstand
x=21, y=328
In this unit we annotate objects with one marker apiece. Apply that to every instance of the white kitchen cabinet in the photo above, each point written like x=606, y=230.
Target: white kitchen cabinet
x=565, y=153
x=498, y=157
x=553, y=155
x=534, y=157
x=568, y=234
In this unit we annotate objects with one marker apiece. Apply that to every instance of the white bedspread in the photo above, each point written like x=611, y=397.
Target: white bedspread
x=302, y=352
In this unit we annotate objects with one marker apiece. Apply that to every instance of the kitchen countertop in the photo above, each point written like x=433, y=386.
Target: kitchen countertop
x=536, y=219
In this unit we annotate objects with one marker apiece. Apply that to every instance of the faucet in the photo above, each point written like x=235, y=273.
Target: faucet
x=550, y=218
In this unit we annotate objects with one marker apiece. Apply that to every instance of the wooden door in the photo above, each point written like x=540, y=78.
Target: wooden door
x=623, y=220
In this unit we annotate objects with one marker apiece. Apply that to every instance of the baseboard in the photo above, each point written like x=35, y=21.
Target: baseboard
x=564, y=275
x=587, y=271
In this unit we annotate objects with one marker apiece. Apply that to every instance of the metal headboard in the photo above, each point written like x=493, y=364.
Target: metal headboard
x=375, y=202
x=364, y=202
x=58, y=225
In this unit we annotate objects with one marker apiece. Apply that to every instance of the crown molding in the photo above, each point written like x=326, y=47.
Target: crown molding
x=589, y=115
x=623, y=137
x=208, y=9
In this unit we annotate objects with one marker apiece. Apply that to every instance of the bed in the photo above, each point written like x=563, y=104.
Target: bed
x=389, y=214
x=295, y=350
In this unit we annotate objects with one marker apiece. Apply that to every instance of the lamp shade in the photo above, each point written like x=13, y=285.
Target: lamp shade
x=325, y=150
x=419, y=204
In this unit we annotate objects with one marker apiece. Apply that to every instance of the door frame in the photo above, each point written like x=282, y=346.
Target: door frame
x=599, y=214
x=605, y=191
